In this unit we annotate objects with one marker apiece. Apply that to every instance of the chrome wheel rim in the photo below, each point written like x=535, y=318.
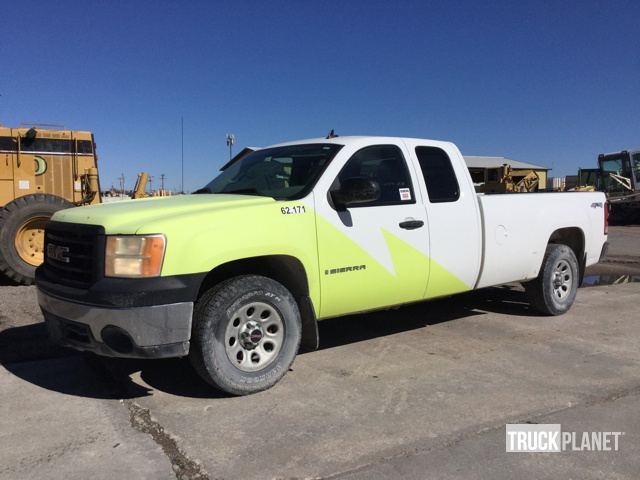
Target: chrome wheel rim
x=254, y=336
x=562, y=280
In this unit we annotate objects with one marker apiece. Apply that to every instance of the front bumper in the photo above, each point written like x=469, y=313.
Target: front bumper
x=158, y=331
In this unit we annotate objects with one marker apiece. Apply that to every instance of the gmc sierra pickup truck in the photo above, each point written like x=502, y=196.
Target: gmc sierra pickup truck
x=237, y=274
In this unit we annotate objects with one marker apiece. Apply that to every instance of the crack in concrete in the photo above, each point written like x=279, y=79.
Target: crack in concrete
x=140, y=419
x=589, y=401
x=184, y=467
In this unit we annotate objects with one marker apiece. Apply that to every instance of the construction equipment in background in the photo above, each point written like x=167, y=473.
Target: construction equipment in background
x=140, y=190
x=524, y=182
x=620, y=180
x=588, y=180
x=581, y=188
x=42, y=170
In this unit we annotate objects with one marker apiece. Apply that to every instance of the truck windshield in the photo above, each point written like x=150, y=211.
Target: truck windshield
x=284, y=173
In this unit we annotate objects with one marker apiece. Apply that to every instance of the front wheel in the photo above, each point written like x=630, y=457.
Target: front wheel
x=554, y=291
x=246, y=334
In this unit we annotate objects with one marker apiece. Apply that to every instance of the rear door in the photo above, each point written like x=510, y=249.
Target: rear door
x=375, y=254
x=454, y=217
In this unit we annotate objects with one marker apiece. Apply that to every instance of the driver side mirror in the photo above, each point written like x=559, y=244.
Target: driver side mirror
x=355, y=191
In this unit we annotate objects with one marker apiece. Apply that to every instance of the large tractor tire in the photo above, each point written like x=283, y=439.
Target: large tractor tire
x=22, y=234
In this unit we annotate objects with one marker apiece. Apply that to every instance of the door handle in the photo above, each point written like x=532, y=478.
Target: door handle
x=411, y=224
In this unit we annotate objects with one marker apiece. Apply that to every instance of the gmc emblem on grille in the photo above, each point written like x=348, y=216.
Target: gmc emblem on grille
x=58, y=253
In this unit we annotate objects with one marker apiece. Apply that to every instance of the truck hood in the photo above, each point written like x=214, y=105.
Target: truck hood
x=129, y=216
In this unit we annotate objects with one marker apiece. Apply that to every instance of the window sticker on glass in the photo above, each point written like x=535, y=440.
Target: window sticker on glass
x=405, y=194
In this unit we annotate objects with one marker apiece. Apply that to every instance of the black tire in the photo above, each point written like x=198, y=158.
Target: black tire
x=554, y=291
x=215, y=315
x=12, y=217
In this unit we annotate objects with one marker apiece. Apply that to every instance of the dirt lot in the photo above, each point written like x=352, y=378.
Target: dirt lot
x=419, y=392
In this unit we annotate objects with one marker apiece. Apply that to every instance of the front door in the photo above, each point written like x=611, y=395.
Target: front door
x=375, y=254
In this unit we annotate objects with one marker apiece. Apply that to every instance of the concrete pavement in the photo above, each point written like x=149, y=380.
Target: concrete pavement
x=423, y=391
x=50, y=429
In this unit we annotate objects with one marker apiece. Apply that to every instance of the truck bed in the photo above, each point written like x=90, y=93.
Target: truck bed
x=516, y=229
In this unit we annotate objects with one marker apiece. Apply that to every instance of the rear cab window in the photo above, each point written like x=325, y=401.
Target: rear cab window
x=438, y=174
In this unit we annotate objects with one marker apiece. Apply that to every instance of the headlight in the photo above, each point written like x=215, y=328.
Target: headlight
x=134, y=255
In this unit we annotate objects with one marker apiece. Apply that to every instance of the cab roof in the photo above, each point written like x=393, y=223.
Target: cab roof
x=350, y=139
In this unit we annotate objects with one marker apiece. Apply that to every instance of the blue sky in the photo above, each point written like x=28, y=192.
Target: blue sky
x=553, y=83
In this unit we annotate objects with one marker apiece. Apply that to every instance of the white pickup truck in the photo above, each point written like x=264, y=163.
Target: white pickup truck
x=237, y=275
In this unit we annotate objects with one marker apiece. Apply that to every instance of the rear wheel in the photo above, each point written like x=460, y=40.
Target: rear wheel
x=22, y=234
x=246, y=334
x=554, y=291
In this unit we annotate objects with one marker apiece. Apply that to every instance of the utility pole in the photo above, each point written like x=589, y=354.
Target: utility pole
x=150, y=185
x=231, y=140
x=162, y=182
x=182, y=151
x=121, y=179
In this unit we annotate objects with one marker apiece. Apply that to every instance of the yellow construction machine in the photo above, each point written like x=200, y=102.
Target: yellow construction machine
x=140, y=190
x=523, y=182
x=42, y=170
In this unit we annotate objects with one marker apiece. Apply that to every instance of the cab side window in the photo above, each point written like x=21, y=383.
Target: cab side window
x=386, y=165
x=636, y=166
x=441, y=181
